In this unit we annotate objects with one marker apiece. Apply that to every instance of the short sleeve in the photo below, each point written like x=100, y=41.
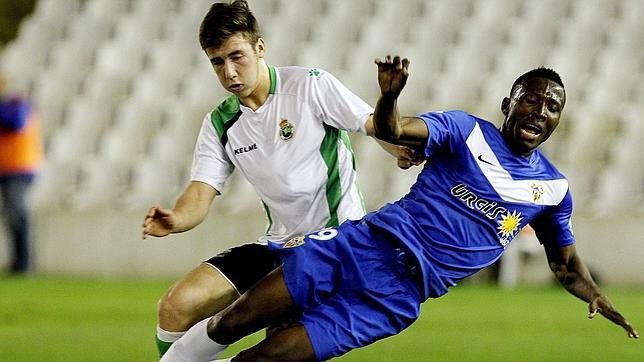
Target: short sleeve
x=446, y=130
x=340, y=107
x=555, y=224
x=210, y=163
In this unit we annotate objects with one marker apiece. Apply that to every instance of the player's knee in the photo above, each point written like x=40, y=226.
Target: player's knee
x=174, y=312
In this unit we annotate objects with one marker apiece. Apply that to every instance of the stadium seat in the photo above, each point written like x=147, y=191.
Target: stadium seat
x=621, y=184
x=546, y=12
x=53, y=187
x=100, y=184
x=495, y=11
x=52, y=100
x=309, y=10
x=135, y=124
x=86, y=118
x=264, y=9
x=57, y=10
x=154, y=87
x=374, y=166
x=595, y=11
x=347, y=10
x=153, y=182
x=283, y=39
x=201, y=89
x=98, y=9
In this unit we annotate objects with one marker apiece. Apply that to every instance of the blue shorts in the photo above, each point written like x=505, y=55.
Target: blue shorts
x=353, y=285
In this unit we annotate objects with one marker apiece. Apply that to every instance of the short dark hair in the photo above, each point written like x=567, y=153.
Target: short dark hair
x=541, y=72
x=224, y=20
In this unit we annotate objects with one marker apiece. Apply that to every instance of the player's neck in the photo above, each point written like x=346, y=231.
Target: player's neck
x=257, y=98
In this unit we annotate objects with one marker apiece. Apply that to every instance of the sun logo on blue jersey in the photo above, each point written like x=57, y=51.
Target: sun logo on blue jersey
x=508, y=226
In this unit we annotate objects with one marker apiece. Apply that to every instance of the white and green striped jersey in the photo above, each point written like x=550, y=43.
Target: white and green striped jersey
x=294, y=150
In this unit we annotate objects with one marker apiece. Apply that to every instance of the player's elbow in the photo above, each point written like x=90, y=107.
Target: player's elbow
x=560, y=271
x=387, y=134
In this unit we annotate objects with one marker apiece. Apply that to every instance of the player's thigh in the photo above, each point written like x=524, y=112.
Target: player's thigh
x=348, y=321
x=220, y=280
x=245, y=265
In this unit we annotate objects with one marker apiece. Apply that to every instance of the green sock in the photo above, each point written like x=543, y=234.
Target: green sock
x=162, y=346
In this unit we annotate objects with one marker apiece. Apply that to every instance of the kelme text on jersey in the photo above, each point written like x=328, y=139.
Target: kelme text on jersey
x=245, y=149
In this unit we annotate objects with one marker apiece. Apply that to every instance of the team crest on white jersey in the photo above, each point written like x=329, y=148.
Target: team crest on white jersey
x=294, y=243
x=286, y=130
x=537, y=191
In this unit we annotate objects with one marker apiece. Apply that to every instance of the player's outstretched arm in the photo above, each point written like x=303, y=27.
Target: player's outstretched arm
x=389, y=126
x=189, y=211
x=405, y=156
x=573, y=274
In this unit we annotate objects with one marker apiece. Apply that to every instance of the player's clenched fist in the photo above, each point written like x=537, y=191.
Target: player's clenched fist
x=392, y=74
x=158, y=222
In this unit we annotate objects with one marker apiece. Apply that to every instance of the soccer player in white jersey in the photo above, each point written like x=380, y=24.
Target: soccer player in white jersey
x=363, y=281
x=284, y=129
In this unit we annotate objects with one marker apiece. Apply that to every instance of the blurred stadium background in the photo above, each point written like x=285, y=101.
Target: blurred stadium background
x=122, y=87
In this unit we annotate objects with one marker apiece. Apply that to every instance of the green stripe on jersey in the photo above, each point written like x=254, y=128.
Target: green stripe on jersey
x=224, y=113
x=273, y=77
x=347, y=143
x=329, y=151
x=268, y=216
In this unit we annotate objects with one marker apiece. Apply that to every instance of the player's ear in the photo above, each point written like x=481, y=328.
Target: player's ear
x=260, y=47
x=505, y=106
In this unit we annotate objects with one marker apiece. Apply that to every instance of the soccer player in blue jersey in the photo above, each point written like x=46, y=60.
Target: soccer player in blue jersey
x=365, y=280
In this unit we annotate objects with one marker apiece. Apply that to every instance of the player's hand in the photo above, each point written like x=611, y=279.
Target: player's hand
x=408, y=158
x=159, y=222
x=602, y=305
x=392, y=74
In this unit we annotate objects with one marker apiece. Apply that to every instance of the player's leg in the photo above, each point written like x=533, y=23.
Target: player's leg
x=266, y=302
x=288, y=345
x=209, y=288
x=14, y=192
x=200, y=294
x=262, y=305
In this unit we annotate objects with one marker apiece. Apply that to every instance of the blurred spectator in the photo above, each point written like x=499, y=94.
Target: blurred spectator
x=20, y=155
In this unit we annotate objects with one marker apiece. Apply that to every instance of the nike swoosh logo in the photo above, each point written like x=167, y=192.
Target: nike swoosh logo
x=482, y=160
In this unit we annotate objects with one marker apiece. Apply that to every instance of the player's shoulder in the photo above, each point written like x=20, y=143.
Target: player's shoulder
x=294, y=74
x=451, y=116
x=223, y=113
x=456, y=120
x=547, y=165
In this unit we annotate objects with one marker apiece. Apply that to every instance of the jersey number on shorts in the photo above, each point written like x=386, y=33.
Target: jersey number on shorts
x=324, y=234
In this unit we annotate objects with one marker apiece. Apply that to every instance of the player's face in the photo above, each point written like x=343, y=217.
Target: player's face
x=532, y=113
x=237, y=64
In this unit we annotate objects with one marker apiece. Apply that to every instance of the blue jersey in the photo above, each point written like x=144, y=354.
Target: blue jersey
x=471, y=199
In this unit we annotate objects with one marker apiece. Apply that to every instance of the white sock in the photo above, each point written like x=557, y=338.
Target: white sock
x=169, y=337
x=223, y=360
x=195, y=346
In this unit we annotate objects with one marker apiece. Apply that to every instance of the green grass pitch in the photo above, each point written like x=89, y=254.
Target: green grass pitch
x=72, y=319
